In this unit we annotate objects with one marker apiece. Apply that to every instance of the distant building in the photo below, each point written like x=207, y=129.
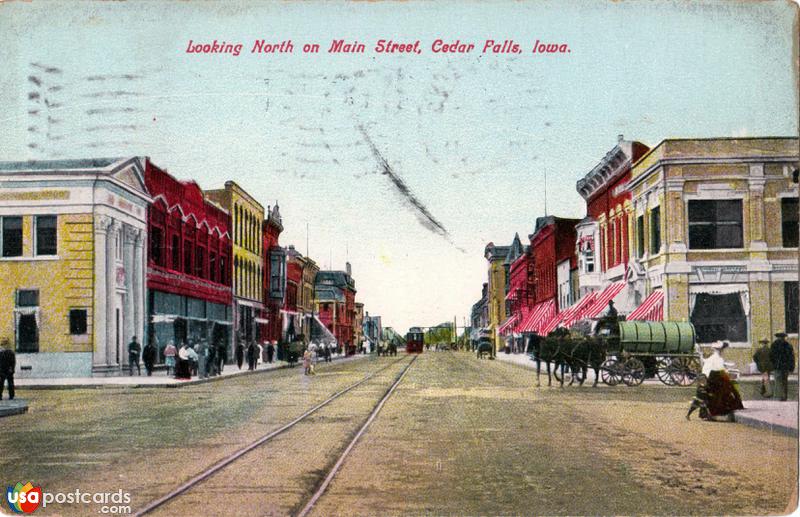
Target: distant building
x=495, y=257
x=358, y=325
x=335, y=305
x=273, y=282
x=246, y=217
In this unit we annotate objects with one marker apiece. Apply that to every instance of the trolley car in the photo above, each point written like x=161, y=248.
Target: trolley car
x=415, y=340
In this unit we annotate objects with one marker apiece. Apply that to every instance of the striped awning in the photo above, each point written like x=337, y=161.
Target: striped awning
x=541, y=314
x=571, y=314
x=507, y=325
x=651, y=309
x=512, y=294
x=600, y=303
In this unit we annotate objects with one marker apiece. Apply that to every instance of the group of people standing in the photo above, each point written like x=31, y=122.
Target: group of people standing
x=196, y=359
x=254, y=353
x=778, y=358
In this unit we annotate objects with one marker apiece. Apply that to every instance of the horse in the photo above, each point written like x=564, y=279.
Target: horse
x=556, y=348
x=484, y=348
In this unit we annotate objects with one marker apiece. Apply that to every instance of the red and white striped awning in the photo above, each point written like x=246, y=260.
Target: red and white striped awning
x=512, y=294
x=507, y=325
x=651, y=309
x=600, y=303
x=571, y=314
x=539, y=316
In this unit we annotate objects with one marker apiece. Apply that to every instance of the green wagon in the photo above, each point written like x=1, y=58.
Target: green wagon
x=671, y=344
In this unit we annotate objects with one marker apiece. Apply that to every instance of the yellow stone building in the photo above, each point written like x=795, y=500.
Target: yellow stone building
x=715, y=228
x=72, y=263
x=247, y=215
x=495, y=257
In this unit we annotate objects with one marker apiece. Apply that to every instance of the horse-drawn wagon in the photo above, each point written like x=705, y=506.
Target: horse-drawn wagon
x=621, y=352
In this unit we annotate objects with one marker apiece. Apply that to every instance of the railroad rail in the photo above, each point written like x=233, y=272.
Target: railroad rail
x=228, y=460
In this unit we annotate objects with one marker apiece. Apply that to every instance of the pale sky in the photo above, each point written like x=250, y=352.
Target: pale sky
x=469, y=135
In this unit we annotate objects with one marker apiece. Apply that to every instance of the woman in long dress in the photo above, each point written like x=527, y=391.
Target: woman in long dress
x=183, y=370
x=716, y=393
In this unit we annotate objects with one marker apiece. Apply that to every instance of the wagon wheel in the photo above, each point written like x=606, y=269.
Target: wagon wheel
x=666, y=371
x=611, y=372
x=633, y=372
x=685, y=370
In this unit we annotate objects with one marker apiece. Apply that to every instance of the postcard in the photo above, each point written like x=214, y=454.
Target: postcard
x=382, y=258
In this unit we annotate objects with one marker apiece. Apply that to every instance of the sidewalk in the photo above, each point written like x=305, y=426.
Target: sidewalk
x=159, y=379
x=13, y=407
x=773, y=415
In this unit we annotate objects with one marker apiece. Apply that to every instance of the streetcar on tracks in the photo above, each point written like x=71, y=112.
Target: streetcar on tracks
x=415, y=340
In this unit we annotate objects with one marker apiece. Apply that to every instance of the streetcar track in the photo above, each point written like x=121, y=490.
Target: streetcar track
x=340, y=461
x=226, y=461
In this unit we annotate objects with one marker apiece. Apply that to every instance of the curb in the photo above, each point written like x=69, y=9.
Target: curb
x=13, y=407
x=193, y=382
x=761, y=424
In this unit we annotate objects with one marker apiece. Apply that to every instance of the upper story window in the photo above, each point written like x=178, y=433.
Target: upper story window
x=157, y=245
x=640, y=236
x=655, y=230
x=789, y=222
x=46, y=235
x=715, y=224
x=12, y=236
x=176, y=253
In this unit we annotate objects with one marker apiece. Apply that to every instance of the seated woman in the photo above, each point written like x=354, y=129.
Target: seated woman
x=716, y=393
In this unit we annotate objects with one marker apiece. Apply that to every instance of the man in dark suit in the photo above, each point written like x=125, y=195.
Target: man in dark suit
x=8, y=363
x=781, y=354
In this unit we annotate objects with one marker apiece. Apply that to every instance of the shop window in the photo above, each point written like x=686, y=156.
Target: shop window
x=719, y=317
x=715, y=224
x=640, y=236
x=77, y=322
x=791, y=306
x=27, y=324
x=46, y=235
x=157, y=245
x=12, y=236
x=789, y=221
x=655, y=230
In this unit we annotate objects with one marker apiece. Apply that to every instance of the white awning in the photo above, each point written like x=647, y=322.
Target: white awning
x=261, y=320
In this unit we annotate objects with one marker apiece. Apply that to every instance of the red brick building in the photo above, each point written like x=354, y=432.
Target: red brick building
x=188, y=263
x=552, y=247
x=336, y=305
x=270, y=322
x=520, y=285
x=603, y=239
x=292, y=319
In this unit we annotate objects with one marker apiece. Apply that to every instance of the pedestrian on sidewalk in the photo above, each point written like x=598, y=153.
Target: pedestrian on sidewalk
x=782, y=355
x=134, y=349
x=307, y=362
x=169, y=357
x=251, y=356
x=327, y=353
x=259, y=354
x=183, y=368
x=239, y=354
x=211, y=361
x=202, y=357
x=222, y=356
x=764, y=365
x=271, y=351
x=149, y=356
x=8, y=363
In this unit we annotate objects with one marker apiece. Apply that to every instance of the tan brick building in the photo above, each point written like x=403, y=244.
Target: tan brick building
x=715, y=228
